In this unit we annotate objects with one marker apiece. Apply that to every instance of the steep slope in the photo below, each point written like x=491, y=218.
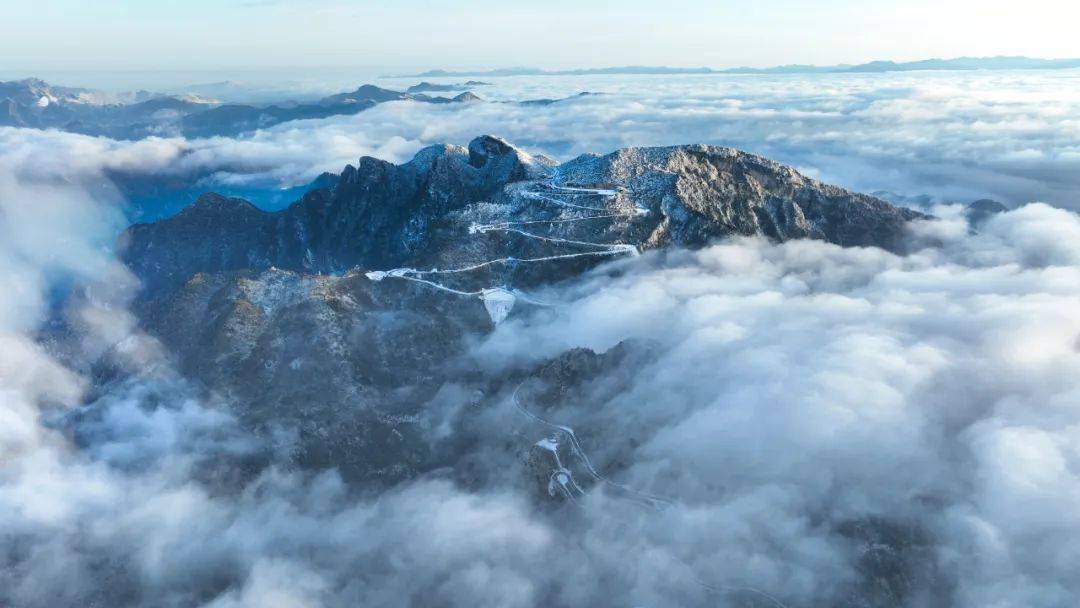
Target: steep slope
x=376, y=214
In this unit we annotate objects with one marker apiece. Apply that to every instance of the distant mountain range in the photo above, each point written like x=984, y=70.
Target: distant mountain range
x=34, y=103
x=959, y=63
x=432, y=87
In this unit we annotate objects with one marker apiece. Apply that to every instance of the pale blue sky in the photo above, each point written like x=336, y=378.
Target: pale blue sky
x=205, y=34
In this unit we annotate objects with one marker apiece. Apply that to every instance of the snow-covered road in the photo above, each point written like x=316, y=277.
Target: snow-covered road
x=499, y=300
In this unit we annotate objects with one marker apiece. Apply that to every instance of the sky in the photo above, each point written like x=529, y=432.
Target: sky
x=56, y=35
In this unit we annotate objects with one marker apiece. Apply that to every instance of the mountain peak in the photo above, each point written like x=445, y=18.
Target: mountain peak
x=366, y=93
x=426, y=156
x=510, y=163
x=982, y=210
x=467, y=97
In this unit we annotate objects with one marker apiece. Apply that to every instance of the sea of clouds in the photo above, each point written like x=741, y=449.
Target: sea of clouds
x=794, y=404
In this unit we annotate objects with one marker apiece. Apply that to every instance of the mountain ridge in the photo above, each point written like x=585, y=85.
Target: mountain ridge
x=956, y=63
x=452, y=205
x=33, y=103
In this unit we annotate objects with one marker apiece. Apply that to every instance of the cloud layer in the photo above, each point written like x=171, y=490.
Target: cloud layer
x=827, y=426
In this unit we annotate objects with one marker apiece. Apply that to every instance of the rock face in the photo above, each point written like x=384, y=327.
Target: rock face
x=33, y=92
x=12, y=114
x=468, y=97
x=233, y=119
x=705, y=192
x=37, y=104
x=378, y=215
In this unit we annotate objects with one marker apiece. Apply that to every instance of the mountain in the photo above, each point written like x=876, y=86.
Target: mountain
x=37, y=104
x=524, y=71
x=33, y=92
x=330, y=322
x=234, y=119
x=960, y=63
x=548, y=102
x=966, y=63
x=378, y=214
x=431, y=87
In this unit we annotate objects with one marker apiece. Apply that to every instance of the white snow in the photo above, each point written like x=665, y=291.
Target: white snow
x=550, y=444
x=378, y=275
x=498, y=302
